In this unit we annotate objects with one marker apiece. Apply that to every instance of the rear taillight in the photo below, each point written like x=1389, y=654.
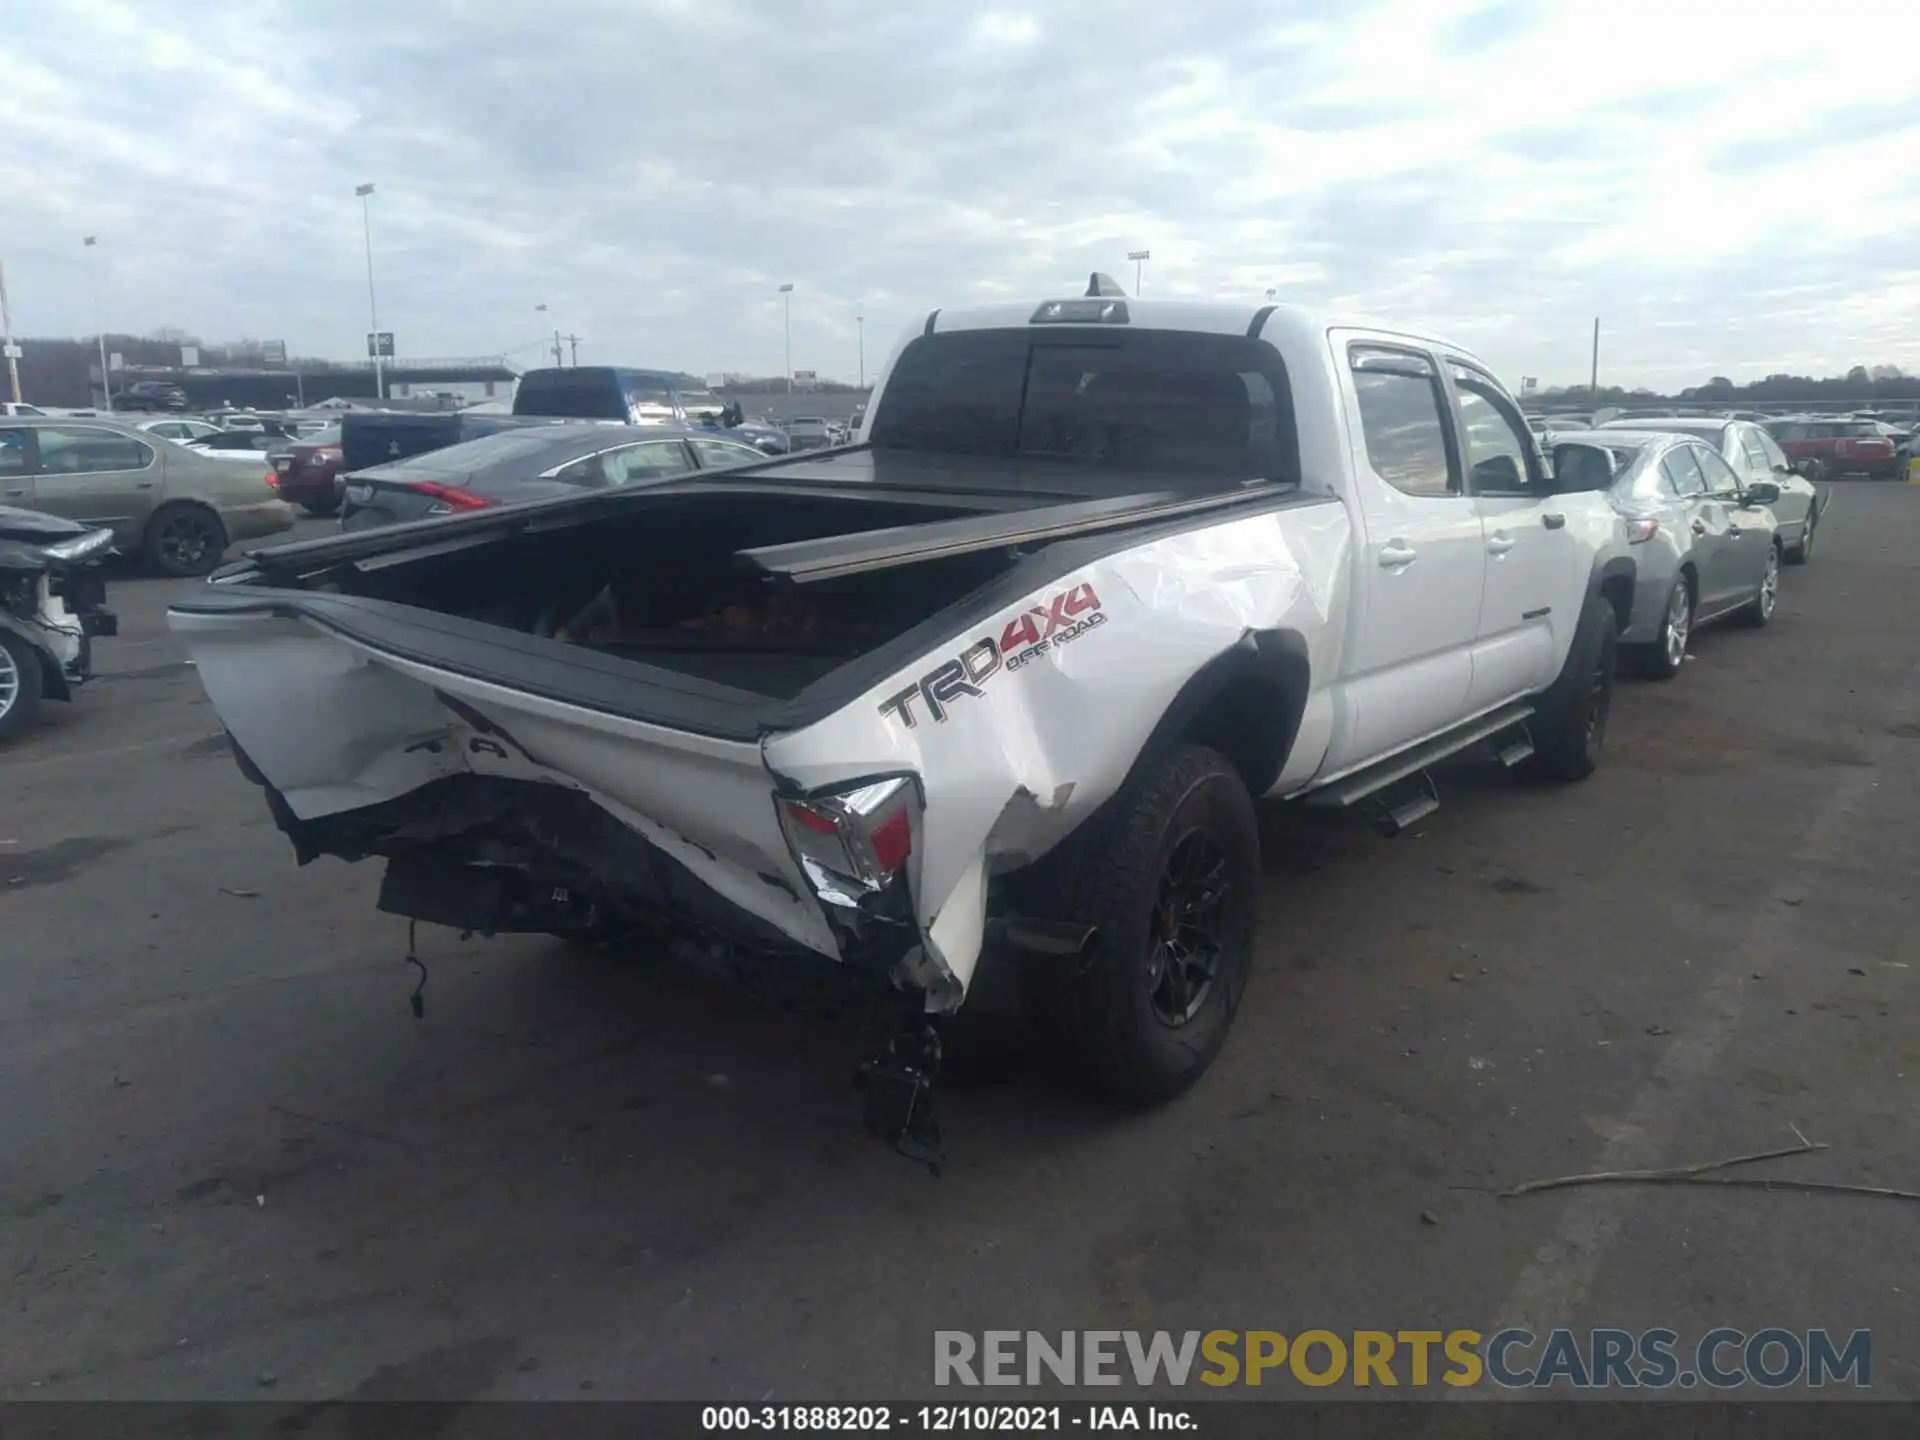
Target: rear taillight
x=853, y=842
x=273, y=480
x=450, y=496
x=1641, y=531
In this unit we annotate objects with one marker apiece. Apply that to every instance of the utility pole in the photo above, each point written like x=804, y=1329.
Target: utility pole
x=1593, y=388
x=786, y=296
x=860, y=328
x=573, y=347
x=6, y=329
x=557, y=361
x=1139, y=259
x=93, y=279
x=373, y=310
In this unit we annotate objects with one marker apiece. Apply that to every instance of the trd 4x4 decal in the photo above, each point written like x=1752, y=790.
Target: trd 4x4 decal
x=1063, y=618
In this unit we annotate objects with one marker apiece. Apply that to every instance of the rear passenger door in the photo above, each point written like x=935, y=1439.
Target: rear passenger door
x=629, y=465
x=1530, y=604
x=1422, y=561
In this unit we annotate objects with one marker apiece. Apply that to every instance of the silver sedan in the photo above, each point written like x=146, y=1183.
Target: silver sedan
x=1754, y=457
x=1707, y=543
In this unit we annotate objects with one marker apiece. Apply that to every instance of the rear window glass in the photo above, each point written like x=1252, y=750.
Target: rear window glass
x=471, y=454
x=1214, y=406
x=584, y=394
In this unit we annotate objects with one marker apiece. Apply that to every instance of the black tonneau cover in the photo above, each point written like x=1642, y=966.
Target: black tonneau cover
x=1020, y=502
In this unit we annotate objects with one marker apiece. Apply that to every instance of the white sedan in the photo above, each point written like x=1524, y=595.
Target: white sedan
x=249, y=447
x=185, y=431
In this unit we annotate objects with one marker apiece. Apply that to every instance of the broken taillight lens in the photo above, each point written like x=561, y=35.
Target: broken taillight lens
x=1641, y=531
x=856, y=839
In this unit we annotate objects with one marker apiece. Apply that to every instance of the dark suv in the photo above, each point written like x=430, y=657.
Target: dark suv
x=151, y=395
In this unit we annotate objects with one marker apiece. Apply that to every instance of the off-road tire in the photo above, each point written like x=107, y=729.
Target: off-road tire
x=1569, y=726
x=1101, y=1008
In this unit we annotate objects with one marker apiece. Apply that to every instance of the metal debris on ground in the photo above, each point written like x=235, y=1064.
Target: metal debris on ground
x=1697, y=1175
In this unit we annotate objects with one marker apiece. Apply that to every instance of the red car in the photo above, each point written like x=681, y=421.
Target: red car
x=309, y=472
x=1821, y=448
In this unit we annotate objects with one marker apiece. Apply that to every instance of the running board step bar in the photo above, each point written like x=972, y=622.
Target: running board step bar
x=1395, y=768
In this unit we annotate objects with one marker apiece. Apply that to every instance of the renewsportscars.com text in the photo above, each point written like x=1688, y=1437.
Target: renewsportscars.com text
x=1597, y=1359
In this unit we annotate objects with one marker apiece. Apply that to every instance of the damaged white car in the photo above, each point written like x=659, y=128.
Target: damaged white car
x=997, y=686
x=52, y=605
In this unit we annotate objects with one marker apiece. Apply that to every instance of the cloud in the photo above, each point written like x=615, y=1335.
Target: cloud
x=652, y=172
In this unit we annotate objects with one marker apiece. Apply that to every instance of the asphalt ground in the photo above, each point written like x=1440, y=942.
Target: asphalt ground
x=233, y=1164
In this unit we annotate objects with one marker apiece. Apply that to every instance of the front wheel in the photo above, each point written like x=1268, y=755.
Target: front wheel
x=20, y=685
x=184, y=539
x=1570, y=724
x=1168, y=876
x=1758, y=612
x=1803, y=552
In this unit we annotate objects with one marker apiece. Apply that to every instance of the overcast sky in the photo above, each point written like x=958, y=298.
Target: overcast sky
x=1732, y=191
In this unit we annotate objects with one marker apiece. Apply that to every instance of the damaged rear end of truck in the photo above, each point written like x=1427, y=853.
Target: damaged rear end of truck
x=856, y=716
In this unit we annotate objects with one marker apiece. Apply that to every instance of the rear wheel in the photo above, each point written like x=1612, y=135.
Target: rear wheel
x=1663, y=658
x=20, y=685
x=1570, y=725
x=185, y=539
x=321, y=509
x=1168, y=877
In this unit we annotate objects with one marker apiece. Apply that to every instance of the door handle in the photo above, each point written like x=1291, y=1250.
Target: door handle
x=1699, y=527
x=1499, y=544
x=16, y=494
x=1396, y=555
x=1555, y=521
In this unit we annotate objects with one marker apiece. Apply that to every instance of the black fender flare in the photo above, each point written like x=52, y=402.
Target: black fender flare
x=1273, y=670
x=1613, y=573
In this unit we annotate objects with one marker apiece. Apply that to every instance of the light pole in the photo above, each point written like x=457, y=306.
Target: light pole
x=373, y=310
x=1139, y=259
x=860, y=330
x=6, y=334
x=93, y=280
x=541, y=310
x=786, y=299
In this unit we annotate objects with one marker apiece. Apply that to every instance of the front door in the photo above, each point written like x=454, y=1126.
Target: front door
x=1525, y=623
x=1422, y=561
x=97, y=477
x=1741, y=538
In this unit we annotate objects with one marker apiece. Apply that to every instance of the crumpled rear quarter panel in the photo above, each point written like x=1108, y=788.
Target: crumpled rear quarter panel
x=1009, y=771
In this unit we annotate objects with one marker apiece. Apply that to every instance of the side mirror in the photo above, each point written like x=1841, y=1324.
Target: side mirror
x=1761, y=492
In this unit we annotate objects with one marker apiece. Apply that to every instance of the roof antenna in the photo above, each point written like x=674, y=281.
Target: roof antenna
x=1099, y=284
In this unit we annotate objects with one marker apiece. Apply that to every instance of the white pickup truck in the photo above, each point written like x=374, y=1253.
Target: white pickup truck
x=997, y=684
